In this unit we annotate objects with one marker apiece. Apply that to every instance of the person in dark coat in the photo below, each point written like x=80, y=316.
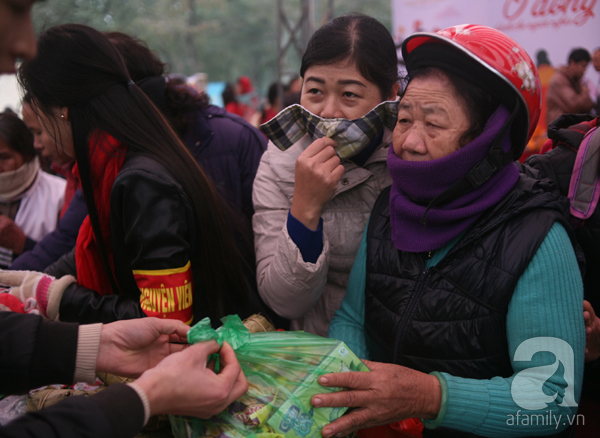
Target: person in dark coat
x=156, y=241
x=36, y=352
x=225, y=146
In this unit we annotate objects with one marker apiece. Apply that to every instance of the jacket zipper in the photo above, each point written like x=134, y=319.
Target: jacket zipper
x=411, y=305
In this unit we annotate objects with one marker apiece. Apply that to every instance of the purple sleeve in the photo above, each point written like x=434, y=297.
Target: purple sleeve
x=310, y=243
x=29, y=243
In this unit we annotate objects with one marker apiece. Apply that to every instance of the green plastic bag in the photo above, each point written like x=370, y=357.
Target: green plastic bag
x=282, y=369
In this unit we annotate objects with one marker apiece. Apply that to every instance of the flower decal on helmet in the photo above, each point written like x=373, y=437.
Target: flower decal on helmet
x=462, y=29
x=526, y=74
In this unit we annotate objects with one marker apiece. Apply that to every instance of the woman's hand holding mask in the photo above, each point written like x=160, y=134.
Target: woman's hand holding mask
x=318, y=171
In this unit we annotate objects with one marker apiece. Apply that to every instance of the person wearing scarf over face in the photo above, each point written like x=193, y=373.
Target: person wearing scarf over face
x=466, y=291
x=323, y=169
x=30, y=199
x=155, y=242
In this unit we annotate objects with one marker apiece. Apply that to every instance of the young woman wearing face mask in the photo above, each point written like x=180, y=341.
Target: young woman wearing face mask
x=155, y=242
x=30, y=199
x=311, y=206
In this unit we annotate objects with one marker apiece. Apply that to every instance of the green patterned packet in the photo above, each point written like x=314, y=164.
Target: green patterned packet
x=282, y=369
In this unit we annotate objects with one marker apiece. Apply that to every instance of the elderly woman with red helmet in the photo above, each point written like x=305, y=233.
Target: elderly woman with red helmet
x=466, y=289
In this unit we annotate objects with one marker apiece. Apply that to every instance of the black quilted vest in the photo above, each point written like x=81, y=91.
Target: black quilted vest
x=452, y=317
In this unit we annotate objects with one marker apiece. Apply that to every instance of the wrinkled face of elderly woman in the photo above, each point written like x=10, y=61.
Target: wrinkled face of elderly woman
x=432, y=118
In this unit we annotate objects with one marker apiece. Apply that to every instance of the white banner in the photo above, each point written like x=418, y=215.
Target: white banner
x=556, y=26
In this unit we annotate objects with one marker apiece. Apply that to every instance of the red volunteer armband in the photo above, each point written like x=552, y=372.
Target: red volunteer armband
x=167, y=293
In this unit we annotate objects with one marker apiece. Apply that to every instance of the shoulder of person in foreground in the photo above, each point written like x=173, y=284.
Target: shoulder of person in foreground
x=127, y=348
x=35, y=352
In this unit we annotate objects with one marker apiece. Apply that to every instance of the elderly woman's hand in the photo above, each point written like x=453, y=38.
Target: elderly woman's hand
x=318, y=171
x=11, y=236
x=387, y=394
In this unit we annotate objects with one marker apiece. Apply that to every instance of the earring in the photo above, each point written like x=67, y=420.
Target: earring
x=62, y=116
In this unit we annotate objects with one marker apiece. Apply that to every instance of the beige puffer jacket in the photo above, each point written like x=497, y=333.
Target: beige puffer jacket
x=310, y=293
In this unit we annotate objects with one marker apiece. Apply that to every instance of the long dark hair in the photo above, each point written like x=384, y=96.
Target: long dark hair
x=179, y=104
x=78, y=68
x=361, y=40
x=177, y=100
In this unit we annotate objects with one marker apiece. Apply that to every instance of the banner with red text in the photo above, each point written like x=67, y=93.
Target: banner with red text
x=547, y=29
x=556, y=26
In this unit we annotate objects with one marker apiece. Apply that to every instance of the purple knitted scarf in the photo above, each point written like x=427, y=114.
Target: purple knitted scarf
x=424, y=180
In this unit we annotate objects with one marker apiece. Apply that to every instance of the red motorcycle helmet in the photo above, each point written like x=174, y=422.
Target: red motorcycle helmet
x=490, y=59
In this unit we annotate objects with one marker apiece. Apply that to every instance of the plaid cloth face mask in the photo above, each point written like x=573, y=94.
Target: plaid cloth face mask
x=352, y=136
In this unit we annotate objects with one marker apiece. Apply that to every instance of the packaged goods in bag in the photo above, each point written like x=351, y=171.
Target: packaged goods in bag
x=282, y=369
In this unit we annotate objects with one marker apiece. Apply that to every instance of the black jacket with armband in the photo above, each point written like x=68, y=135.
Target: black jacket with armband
x=153, y=230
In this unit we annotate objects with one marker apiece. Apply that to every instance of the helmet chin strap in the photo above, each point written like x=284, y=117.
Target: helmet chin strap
x=480, y=172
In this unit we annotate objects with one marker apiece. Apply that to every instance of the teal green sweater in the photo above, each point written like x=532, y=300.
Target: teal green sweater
x=547, y=302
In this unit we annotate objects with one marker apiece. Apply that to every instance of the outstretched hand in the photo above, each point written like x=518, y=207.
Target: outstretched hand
x=184, y=384
x=130, y=347
x=387, y=394
x=592, y=332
